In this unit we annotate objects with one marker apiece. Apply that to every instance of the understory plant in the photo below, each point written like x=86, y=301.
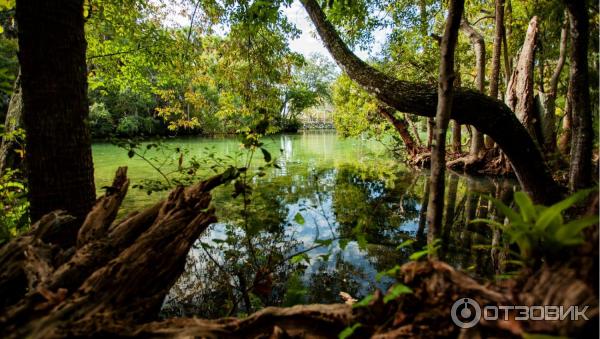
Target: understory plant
x=14, y=206
x=540, y=231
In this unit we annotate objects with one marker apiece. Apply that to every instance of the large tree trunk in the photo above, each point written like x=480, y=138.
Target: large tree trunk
x=580, y=172
x=548, y=100
x=55, y=108
x=519, y=92
x=487, y=114
x=9, y=158
x=435, y=208
x=479, y=48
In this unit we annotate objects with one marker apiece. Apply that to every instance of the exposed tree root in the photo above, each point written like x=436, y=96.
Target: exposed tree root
x=114, y=281
x=490, y=162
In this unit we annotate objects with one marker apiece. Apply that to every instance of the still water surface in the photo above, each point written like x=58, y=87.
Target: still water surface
x=328, y=220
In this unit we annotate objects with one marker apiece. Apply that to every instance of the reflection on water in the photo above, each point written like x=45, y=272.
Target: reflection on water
x=328, y=220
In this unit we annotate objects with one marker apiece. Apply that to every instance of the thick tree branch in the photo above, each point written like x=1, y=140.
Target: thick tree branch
x=487, y=114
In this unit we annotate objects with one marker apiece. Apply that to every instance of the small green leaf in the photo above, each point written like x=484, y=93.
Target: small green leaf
x=324, y=242
x=348, y=331
x=396, y=291
x=298, y=218
x=526, y=207
x=418, y=255
x=390, y=273
x=362, y=241
x=549, y=214
x=507, y=211
x=364, y=302
x=343, y=244
x=405, y=243
x=487, y=221
x=300, y=257
x=266, y=155
x=572, y=230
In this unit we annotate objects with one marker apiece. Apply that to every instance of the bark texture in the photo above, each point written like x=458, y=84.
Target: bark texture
x=445, y=91
x=456, y=137
x=497, y=50
x=115, y=273
x=55, y=107
x=580, y=171
x=564, y=142
x=549, y=99
x=519, y=92
x=478, y=42
x=9, y=158
x=487, y=114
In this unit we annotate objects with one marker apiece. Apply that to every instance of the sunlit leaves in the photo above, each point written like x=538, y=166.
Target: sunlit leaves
x=349, y=331
x=395, y=291
x=7, y=4
x=541, y=228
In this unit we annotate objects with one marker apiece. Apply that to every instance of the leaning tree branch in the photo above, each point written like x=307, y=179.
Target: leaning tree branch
x=487, y=114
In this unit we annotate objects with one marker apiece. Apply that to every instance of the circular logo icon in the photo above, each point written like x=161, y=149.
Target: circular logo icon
x=465, y=313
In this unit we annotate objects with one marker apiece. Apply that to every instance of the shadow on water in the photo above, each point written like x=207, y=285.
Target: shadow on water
x=328, y=220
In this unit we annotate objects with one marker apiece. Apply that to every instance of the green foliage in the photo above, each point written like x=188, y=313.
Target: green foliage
x=349, y=331
x=541, y=229
x=101, y=122
x=194, y=80
x=428, y=250
x=130, y=126
x=395, y=291
x=364, y=302
x=355, y=110
x=14, y=206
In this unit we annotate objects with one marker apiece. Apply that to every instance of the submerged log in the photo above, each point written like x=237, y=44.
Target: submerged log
x=114, y=281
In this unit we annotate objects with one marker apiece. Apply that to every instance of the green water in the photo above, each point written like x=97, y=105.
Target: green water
x=327, y=220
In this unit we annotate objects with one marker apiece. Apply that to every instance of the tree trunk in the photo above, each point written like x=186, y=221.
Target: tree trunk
x=414, y=129
x=442, y=118
x=401, y=127
x=55, y=108
x=487, y=114
x=549, y=99
x=580, y=171
x=479, y=48
x=456, y=137
x=450, y=210
x=564, y=143
x=430, y=132
x=519, y=92
x=9, y=158
x=496, y=53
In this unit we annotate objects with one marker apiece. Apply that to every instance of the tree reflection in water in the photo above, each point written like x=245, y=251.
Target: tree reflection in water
x=316, y=231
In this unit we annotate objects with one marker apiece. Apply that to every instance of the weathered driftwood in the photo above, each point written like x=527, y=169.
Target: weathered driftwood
x=114, y=280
